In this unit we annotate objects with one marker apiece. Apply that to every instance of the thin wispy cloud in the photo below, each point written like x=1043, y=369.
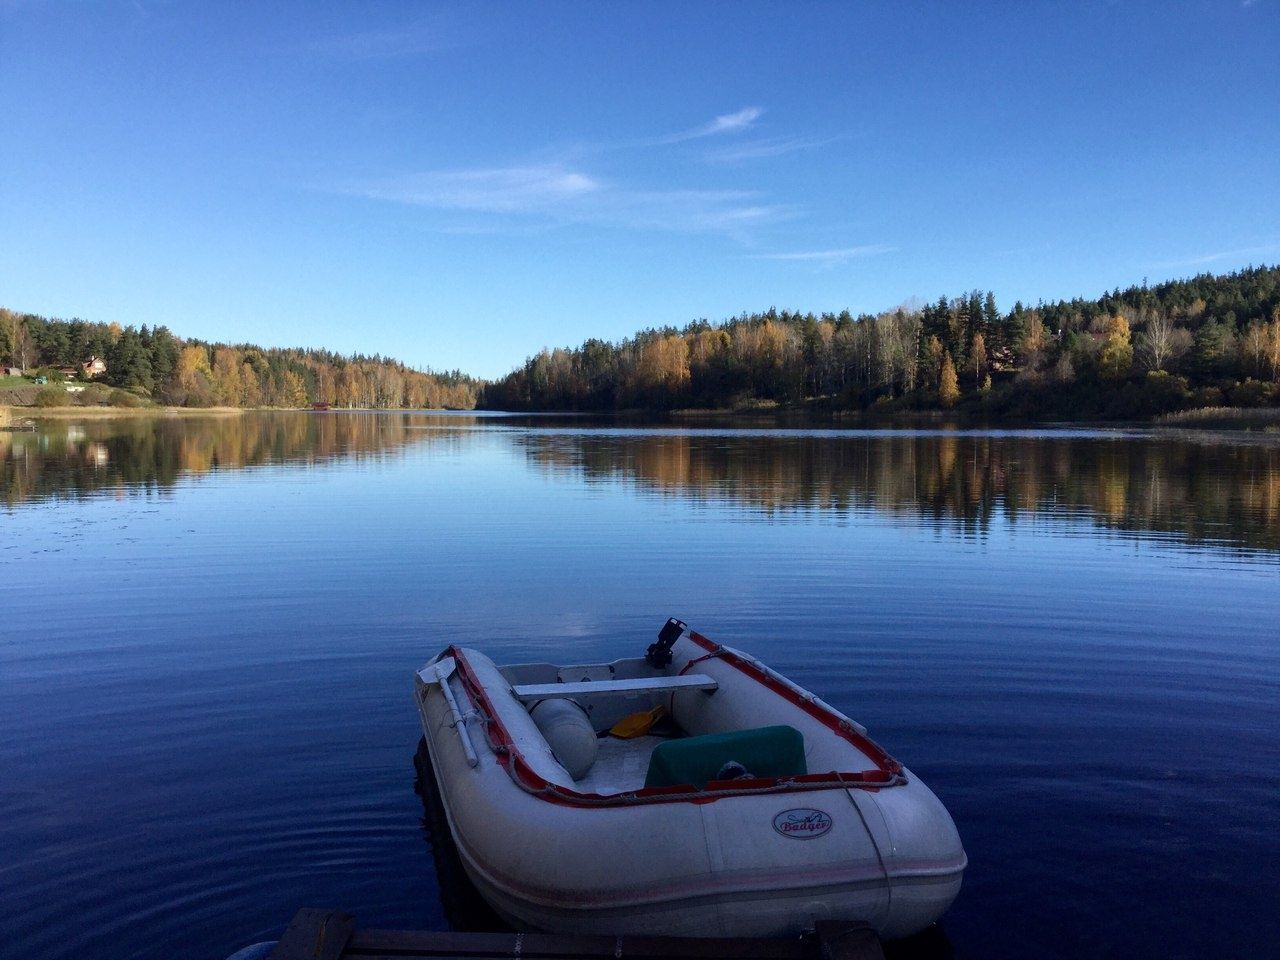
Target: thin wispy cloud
x=1208, y=258
x=829, y=256
x=763, y=149
x=515, y=196
x=554, y=190
x=724, y=126
x=726, y=123
x=499, y=190
x=731, y=212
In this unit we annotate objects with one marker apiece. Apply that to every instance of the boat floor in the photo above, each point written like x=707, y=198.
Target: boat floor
x=621, y=765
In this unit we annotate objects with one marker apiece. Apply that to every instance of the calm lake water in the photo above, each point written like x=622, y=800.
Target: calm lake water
x=210, y=626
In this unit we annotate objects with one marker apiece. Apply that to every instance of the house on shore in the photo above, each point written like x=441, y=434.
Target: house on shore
x=93, y=367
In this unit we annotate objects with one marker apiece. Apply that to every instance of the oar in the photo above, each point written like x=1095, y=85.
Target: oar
x=439, y=672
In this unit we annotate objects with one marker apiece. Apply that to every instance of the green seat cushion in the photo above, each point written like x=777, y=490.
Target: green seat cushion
x=764, y=752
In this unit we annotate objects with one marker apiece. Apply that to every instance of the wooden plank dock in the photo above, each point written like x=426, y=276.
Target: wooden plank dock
x=333, y=935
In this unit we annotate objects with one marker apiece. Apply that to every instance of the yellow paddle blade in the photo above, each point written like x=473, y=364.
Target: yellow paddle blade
x=637, y=724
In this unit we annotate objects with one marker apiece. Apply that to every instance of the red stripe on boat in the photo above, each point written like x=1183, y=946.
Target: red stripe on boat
x=888, y=772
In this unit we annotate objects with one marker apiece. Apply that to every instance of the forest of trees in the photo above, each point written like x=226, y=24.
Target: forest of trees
x=156, y=364
x=1204, y=342
x=1207, y=341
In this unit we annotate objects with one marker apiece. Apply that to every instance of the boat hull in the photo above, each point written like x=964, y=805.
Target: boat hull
x=757, y=865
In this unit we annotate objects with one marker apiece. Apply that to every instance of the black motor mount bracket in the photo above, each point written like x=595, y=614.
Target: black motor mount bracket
x=659, y=654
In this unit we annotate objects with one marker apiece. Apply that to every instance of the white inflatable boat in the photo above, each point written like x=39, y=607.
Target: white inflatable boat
x=749, y=808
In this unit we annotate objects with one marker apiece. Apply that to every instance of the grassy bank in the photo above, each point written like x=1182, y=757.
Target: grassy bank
x=1225, y=418
x=10, y=414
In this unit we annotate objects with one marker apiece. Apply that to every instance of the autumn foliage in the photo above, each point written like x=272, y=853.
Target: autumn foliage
x=1137, y=352
x=159, y=365
x=948, y=384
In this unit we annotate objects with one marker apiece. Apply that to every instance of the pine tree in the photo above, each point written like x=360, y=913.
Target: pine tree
x=1015, y=326
x=1213, y=348
x=991, y=320
x=128, y=362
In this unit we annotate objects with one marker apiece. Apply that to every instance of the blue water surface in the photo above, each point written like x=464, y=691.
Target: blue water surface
x=209, y=630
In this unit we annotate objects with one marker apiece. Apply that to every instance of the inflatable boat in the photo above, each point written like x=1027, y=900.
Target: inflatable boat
x=688, y=792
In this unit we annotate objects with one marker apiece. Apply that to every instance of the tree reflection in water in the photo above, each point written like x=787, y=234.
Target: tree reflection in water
x=1220, y=490
x=73, y=459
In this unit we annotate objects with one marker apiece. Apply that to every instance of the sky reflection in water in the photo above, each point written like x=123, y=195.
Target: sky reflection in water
x=204, y=676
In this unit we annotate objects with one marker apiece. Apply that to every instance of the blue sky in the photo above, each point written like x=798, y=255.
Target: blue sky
x=460, y=185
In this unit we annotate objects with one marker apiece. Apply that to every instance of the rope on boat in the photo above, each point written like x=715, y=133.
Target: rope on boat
x=671, y=703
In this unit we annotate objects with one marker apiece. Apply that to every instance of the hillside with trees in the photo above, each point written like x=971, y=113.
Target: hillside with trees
x=1209, y=341
x=155, y=364
x=1203, y=342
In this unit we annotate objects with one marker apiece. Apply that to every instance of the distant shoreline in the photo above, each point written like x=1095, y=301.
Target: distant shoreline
x=1258, y=420
x=9, y=413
